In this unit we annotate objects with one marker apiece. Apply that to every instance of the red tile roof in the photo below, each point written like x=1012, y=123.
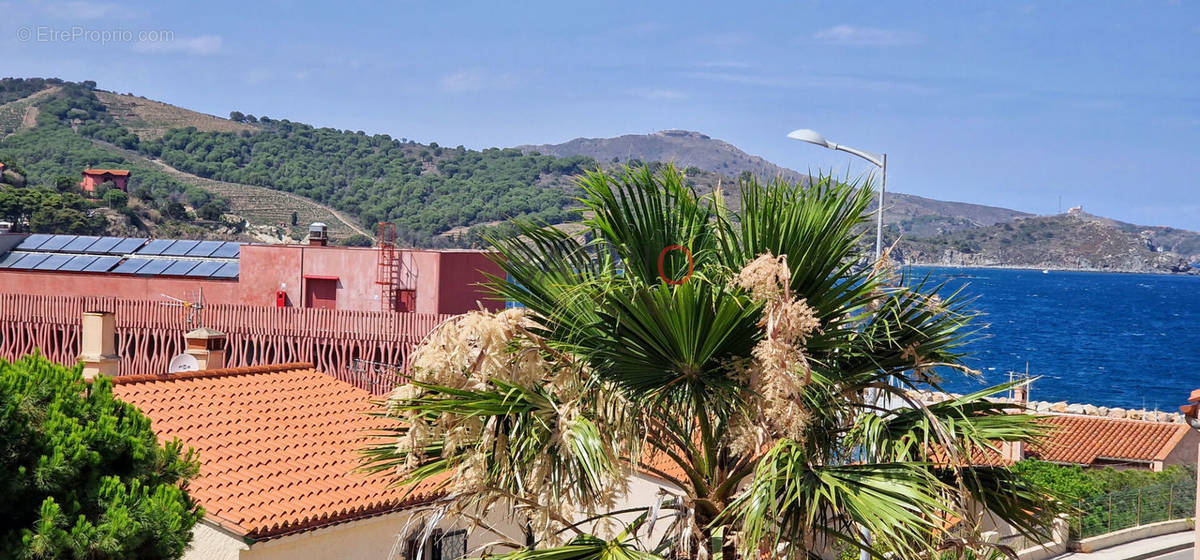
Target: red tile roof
x=656, y=464
x=278, y=445
x=117, y=172
x=1085, y=439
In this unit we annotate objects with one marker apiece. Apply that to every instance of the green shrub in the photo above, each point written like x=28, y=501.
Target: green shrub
x=81, y=473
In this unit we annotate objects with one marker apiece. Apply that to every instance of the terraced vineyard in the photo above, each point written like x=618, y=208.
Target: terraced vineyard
x=21, y=113
x=260, y=205
x=150, y=119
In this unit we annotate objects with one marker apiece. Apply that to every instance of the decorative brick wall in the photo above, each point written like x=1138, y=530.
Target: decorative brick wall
x=365, y=348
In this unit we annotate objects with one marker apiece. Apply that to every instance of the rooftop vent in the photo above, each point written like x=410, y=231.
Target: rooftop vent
x=318, y=235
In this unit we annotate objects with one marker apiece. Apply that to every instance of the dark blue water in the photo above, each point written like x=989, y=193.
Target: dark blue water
x=1128, y=340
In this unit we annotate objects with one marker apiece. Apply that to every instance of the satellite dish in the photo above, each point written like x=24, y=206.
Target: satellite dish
x=183, y=362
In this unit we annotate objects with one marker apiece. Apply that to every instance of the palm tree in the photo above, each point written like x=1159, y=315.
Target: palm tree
x=750, y=359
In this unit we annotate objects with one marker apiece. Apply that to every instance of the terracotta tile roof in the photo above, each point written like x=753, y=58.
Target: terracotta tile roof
x=1085, y=439
x=278, y=445
x=656, y=464
x=1082, y=440
x=117, y=172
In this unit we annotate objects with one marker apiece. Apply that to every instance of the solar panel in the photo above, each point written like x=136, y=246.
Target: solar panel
x=228, y=250
x=80, y=244
x=156, y=247
x=104, y=244
x=53, y=262
x=77, y=264
x=30, y=260
x=57, y=242
x=11, y=259
x=156, y=266
x=180, y=268
x=180, y=248
x=228, y=270
x=205, y=248
x=127, y=245
x=102, y=264
x=206, y=268
x=131, y=266
x=33, y=241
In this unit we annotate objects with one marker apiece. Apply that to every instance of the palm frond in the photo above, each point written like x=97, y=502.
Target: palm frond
x=790, y=500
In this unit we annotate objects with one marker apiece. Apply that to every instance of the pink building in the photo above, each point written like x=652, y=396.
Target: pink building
x=315, y=275
x=93, y=178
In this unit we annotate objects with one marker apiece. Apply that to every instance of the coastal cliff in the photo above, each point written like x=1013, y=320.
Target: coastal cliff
x=1074, y=241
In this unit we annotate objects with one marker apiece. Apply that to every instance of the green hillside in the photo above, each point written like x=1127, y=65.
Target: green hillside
x=40, y=193
x=425, y=189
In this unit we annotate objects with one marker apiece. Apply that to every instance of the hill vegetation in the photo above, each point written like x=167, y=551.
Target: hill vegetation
x=425, y=189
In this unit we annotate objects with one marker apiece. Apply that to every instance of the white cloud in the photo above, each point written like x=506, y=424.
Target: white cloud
x=80, y=10
x=202, y=45
x=852, y=35
x=475, y=79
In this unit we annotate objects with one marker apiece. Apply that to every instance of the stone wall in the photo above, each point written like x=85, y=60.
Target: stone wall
x=1063, y=407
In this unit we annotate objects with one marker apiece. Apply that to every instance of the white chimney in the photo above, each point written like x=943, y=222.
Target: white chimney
x=99, y=344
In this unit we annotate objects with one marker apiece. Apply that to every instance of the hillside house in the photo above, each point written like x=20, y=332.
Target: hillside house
x=93, y=178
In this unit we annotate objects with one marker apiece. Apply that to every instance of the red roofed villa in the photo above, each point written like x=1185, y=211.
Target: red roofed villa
x=93, y=178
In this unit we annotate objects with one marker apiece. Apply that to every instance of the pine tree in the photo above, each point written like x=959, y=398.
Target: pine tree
x=81, y=473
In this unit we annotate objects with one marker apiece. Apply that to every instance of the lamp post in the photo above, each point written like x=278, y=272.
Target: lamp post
x=814, y=137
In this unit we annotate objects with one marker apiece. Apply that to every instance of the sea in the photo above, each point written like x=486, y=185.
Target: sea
x=1109, y=339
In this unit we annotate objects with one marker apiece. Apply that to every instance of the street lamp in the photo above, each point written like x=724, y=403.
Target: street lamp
x=814, y=137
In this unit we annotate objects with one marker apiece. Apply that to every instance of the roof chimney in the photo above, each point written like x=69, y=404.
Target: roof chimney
x=1015, y=450
x=99, y=344
x=207, y=346
x=1020, y=393
x=318, y=235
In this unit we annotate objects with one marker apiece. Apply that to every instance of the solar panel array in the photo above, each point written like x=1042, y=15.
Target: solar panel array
x=125, y=255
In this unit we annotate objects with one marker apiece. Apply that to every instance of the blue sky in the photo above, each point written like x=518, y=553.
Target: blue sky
x=1004, y=103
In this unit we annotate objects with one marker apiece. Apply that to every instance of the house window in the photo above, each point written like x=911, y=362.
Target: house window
x=451, y=545
x=442, y=545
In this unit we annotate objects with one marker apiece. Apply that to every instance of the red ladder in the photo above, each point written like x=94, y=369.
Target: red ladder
x=388, y=271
